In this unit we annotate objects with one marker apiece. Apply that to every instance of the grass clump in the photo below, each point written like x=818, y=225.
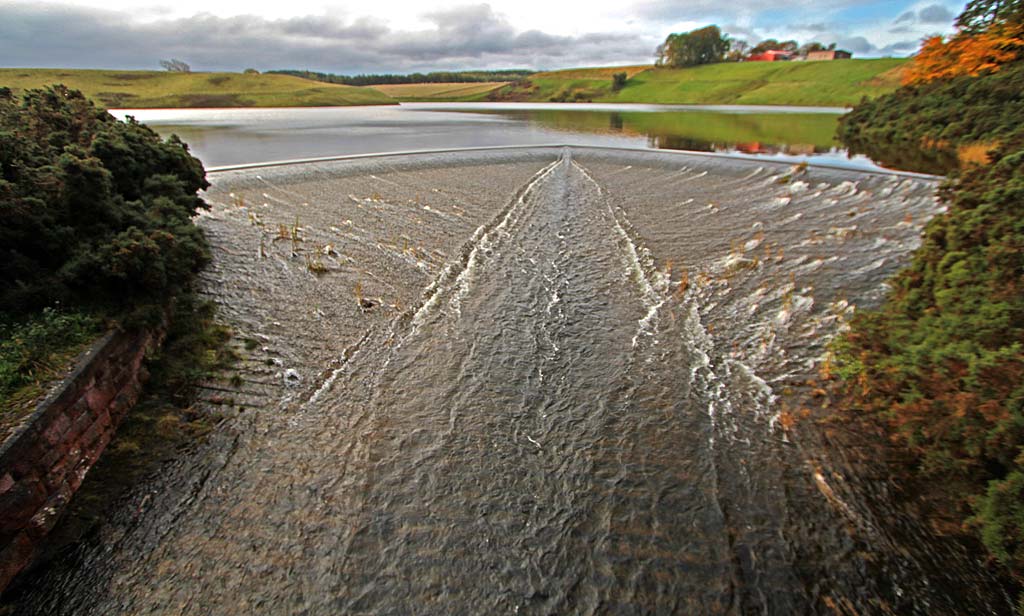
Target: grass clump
x=37, y=350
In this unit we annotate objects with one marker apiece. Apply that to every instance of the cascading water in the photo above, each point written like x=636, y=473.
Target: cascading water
x=568, y=396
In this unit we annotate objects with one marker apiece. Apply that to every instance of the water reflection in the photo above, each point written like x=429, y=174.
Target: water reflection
x=236, y=136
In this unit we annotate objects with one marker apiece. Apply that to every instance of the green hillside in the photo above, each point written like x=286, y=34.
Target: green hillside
x=439, y=92
x=152, y=89
x=837, y=83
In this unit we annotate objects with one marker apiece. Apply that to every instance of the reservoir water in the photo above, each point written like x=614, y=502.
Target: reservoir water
x=235, y=136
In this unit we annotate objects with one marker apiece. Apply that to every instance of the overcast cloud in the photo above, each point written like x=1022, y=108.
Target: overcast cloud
x=503, y=34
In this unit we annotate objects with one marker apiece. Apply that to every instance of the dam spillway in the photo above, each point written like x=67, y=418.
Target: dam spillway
x=549, y=380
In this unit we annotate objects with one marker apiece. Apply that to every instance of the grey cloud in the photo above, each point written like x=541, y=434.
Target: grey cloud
x=907, y=17
x=671, y=11
x=856, y=44
x=932, y=14
x=898, y=48
x=464, y=37
x=740, y=32
x=935, y=14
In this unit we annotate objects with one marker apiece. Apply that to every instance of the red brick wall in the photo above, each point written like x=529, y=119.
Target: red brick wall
x=42, y=465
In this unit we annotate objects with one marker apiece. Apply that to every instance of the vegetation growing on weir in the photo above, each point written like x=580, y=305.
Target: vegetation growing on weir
x=941, y=364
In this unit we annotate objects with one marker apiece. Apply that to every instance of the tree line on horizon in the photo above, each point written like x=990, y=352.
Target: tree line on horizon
x=392, y=79
x=708, y=45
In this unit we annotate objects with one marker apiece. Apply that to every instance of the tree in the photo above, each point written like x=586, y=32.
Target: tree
x=772, y=44
x=763, y=46
x=701, y=46
x=175, y=66
x=738, y=50
x=985, y=52
x=990, y=34
x=251, y=71
x=982, y=15
x=619, y=81
x=807, y=48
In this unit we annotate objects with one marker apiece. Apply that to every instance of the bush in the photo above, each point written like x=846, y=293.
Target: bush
x=96, y=212
x=941, y=364
x=1001, y=514
x=921, y=127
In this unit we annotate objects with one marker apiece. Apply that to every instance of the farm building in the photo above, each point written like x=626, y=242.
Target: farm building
x=774, y=55
x=832, y=54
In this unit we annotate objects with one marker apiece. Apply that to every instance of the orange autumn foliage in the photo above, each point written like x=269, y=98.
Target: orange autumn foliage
x=965, y=55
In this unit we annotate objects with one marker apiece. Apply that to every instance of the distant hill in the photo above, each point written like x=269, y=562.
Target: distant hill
x=431, y=92
x=836, y=83
x=153, y=89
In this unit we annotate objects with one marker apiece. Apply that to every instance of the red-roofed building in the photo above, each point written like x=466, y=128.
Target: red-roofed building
x=774, y=55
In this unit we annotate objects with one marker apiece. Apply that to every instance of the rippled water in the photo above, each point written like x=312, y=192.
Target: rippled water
x=237, y=136
x=534, y=381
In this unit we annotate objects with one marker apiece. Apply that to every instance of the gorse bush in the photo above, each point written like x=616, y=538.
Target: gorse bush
x=94, y=212
x=921, y=127
x=941, y=364
x=943, y=360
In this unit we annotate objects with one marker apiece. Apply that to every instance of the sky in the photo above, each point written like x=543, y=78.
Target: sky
x=422, y=35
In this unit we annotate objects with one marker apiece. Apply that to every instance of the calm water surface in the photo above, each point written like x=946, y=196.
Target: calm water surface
x=236, y=136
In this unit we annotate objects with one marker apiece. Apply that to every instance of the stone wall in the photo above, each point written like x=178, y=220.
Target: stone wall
x=44, y=463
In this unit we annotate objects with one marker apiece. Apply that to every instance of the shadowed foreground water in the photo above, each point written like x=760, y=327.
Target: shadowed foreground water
x=535, y=381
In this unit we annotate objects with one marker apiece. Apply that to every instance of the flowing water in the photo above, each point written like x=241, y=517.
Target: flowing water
x=532, y=381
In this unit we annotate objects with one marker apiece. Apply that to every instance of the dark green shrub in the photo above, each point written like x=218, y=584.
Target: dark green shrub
x=94, y=212
x=920, y=127
x=941, y=363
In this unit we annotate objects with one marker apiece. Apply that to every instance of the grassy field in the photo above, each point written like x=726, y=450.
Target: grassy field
x=154, y=89
x=838, y=83
x=424, y=92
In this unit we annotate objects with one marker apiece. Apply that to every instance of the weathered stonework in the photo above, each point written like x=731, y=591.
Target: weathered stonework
x=44, y=463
